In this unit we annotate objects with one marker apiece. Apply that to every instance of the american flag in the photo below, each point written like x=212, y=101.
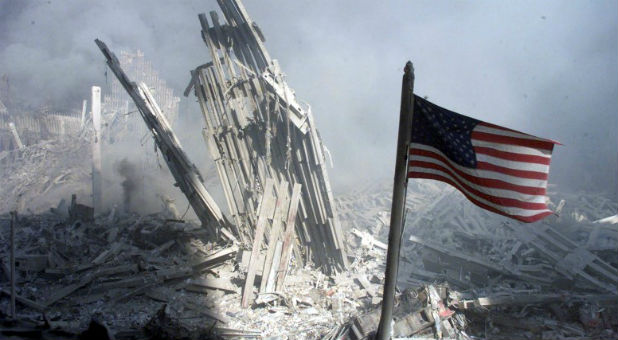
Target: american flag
x=498, y=169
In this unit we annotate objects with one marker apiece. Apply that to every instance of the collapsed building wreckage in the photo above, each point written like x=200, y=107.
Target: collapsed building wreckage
x=267, y=177
x=506, y=280
x=270, y=162
x=151, y=274
x=256, y=129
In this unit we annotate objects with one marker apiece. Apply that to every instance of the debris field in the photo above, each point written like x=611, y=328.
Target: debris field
x=285, y=258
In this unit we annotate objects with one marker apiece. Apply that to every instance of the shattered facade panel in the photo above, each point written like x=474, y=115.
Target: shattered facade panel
x=33, y=128
x=117, y=106
x=185, y=173
x=257, y=130
x=141, y=70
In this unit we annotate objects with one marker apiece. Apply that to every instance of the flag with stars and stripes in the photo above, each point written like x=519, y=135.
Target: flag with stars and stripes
x=498, y=169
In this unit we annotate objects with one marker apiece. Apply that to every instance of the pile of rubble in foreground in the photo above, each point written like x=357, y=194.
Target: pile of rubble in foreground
x=155, y=277
x=465, y=276
x=555, y=279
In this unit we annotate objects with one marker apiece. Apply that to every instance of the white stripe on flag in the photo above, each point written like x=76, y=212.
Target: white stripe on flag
x=512, y=148
x=516, y=165
x=494, y=131
x=486, y=190
x=537, y=183
x=508, y=210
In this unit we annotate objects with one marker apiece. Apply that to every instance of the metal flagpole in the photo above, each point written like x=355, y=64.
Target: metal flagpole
x=12, y=259
x=399, y=201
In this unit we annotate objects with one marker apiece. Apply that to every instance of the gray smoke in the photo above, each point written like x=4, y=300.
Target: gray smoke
x=131, y=181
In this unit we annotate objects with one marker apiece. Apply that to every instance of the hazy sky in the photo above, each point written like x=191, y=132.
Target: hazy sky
x=548, y=68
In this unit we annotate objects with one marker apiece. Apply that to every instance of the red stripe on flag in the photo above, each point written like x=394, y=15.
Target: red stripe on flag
x=490, y=137
x=512, y=172
x=527, y=219
x=486, y=182
x=512, y=156
x=504, y=201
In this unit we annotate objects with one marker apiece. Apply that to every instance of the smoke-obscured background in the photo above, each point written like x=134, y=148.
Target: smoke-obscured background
x=547, y=68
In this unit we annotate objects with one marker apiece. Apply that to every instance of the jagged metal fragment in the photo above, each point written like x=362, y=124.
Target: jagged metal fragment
x=257, y=130
x=187, y=176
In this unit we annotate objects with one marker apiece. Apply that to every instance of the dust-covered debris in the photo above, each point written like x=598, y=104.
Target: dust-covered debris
x=557, y=276
x=32, y=177
x=296, y=263
x=127, y=268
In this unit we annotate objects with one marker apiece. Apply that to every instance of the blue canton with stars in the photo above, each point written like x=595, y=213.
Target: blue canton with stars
x=444, y=130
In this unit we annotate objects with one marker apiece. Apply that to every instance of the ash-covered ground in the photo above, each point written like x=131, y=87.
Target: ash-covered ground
x=465, y=273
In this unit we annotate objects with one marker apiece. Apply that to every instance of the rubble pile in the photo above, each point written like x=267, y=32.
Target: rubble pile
x=423, y=313
x=145, y=275
x=122, y=267
x=472, y=247
x=40, y=171
x=154, y=274
x=289, y=261
x=552, y=279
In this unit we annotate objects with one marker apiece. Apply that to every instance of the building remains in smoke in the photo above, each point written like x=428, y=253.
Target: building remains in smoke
x=32, y=127
x=122, y=120
x=256, y=129
x=41, y=124
x=289, y=260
